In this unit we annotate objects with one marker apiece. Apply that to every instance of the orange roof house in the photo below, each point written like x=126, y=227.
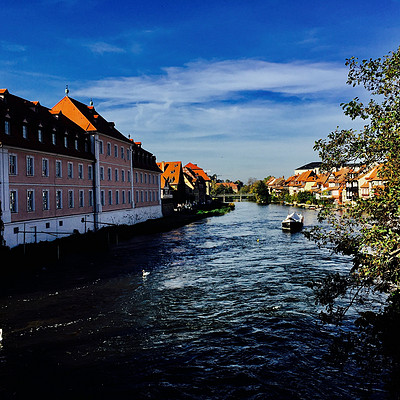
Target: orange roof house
x=172, y=176
x=87, y=118
x=200, y=172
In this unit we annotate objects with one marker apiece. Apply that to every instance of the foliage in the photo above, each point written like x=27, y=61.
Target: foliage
x=304, y=197
x=368, y=231
x=220, y=189
x=261, y=192
x=217, y=211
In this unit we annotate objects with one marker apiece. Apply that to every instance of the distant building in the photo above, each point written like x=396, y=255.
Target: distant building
x=312, y=166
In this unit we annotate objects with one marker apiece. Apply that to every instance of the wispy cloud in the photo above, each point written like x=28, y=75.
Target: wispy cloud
x=103, y=47
x=13, y=47
x=230, y=112
x=209, y=81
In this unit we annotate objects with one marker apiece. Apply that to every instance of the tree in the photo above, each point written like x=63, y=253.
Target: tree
x=368, y=231
x=261, y=192
x=304, y=197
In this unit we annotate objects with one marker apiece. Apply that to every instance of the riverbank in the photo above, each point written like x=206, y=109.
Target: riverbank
x=27, y=259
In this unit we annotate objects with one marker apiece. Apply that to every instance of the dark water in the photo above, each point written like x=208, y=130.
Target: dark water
x=225, y=313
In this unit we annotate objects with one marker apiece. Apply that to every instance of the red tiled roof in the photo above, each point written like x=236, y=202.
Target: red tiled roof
x=171, y=171
x=197, y=170
x=87, y=118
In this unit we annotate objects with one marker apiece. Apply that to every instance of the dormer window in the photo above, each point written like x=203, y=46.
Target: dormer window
x=65, y=141
x=53, y=138
x=40, y=135
x=24, y=131
x=76, y=144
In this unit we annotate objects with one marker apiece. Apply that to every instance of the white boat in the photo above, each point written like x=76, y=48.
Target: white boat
x=293, y=222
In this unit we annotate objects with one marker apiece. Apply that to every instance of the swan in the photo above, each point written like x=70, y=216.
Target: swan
x=145, y=273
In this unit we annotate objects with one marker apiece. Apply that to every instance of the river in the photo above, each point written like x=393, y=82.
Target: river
x=224, y=313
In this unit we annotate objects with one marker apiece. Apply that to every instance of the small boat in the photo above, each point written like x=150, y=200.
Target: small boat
x=293, y=222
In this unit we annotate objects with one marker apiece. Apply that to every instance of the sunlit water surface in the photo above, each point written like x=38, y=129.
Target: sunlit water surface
x=224, y=313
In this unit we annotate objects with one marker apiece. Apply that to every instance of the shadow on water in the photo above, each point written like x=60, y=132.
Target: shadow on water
x=225, y=313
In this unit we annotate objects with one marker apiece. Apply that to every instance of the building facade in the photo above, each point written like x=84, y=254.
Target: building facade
x=65, y=170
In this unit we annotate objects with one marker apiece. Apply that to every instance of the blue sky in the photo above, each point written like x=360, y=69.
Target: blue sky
x=242, y=88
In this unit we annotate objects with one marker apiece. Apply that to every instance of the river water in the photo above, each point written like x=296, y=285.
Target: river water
x=225, y=313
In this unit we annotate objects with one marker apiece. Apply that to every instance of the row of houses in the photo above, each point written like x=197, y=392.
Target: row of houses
x=342, y=186
x=67, y=169
x=183, y=185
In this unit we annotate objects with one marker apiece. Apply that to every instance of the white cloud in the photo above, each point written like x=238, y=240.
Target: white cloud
x=237, y=118
x=13, y=47
x=207, y=81
x=103, y=47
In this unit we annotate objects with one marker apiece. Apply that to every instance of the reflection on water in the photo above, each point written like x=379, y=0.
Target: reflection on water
x=224, y=313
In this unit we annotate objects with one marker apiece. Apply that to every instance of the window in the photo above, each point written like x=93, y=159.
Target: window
x=145, y=178
x=122, y=152
x=147, y=196
x=141, y=196
x=101, y=148
x=102, y=198
x=29, y=166
x=81, y=199
x=141, y=177
x=115, y=150
x=76, y=144
x=53, y=138
x=80, y=171
x=123, y=176
x=24, y=131
x=7, y=127
x=128, y=154
x=116, y=175
x=109, y=197
x=91, y=198
x=59, y=199
x=40, y=135
x=109, y=149
x=109, y=174
x=30, y=200
x=45, y=199
x=65, y=141
x=58, y=169
x=70, y=198
x=129, y=176
x=13, y=164
x=102, y=173
x=123, y=197
x=129, y=197
x=137, y=196
x=70, y=170
x=13, y=201
x=117, y=197
x=136, y=177
x=45, y=167
x=90, y=172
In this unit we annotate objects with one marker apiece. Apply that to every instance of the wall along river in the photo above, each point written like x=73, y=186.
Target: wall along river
x=225, y=313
